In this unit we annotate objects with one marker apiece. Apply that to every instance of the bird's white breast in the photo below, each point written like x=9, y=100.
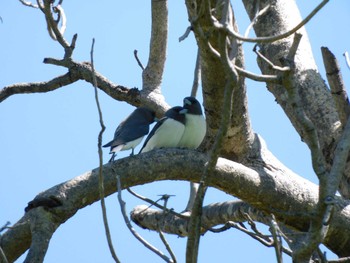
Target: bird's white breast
x=166, y=136
x=194, y=133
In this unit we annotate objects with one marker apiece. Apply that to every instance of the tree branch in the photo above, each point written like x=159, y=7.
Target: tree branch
x=38, y=87
x=132, y=230
x=274, y=190
x=268, y=39
x=153, y=73
x=336, y=84
x=100, y=158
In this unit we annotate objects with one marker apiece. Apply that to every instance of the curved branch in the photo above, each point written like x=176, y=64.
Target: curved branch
x=276, y=190
x=83, y=71
x=38, y=87
x=270, y=39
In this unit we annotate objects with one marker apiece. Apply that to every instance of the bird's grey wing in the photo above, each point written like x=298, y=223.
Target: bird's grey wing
x=129, y=133
x=158, y=124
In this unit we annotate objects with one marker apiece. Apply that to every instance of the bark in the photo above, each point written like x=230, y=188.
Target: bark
x=315, y=98
x=266, y=185
x=239, y=136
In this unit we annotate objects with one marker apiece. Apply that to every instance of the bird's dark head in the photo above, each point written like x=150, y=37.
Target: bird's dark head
x=146, y=113
x=192, y=105
x=177, y=113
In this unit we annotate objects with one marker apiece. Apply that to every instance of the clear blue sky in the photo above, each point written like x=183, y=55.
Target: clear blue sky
x=46, y=139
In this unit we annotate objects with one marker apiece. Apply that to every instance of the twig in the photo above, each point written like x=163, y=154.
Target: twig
x=53, y=30
x=161, y=235
x=167, y=246
x=269, y=39
x=138, y=60
x=132, y=230
x=5, y=226
x=30, y=4
x=171, y=211
x=62, y=16
x=336, y=84
x=278, y=68
x=263, y=239
x=340, y=260
x=3, y=257
x=258, y=14
x=186, y=34
x=347, y=59
x=197, y=75
x=101, y=180
x=256, y=77
x=277, y=240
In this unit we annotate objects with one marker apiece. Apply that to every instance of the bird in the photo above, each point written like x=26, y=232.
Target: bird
x=168, y=130
x=131, y=131
x=196, y=127
x=195, y=130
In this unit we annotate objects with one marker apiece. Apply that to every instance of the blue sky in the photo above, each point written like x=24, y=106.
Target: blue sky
x=46, y=139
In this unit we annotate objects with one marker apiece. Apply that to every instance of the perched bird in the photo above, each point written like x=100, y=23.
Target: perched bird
x=168, y=131
x=131, y=131
x=195, y=127
x=193, y=136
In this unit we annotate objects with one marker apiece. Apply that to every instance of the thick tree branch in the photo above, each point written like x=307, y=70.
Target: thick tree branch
x=316, y=99
x=239, y=137
x=153, y=73
x=212, y=215
x=271, y=188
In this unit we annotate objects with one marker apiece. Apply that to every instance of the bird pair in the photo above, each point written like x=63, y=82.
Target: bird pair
x=180, y=127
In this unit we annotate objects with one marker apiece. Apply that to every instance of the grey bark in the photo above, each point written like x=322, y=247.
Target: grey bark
x=266, y=185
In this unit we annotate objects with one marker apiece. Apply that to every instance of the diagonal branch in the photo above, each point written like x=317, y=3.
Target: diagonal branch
x=336, y=84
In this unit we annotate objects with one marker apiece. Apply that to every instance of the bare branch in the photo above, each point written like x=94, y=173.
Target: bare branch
x=197, y=75
x=62, y=16
x=340, y=260
x=258, y=14
x=273, y=66
x=138, y=60
x=261, y=78
x=347, y=59
x=38, y=87
x=186, y=34
x=153, y=73
x=100, y=157
x=52, y=26
x=261, y=187
x=277, y=240
x=165, y=209
x=132, y=230
x=269, y=39
x=336, y=84
x=3, y=257
x=30, y=4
